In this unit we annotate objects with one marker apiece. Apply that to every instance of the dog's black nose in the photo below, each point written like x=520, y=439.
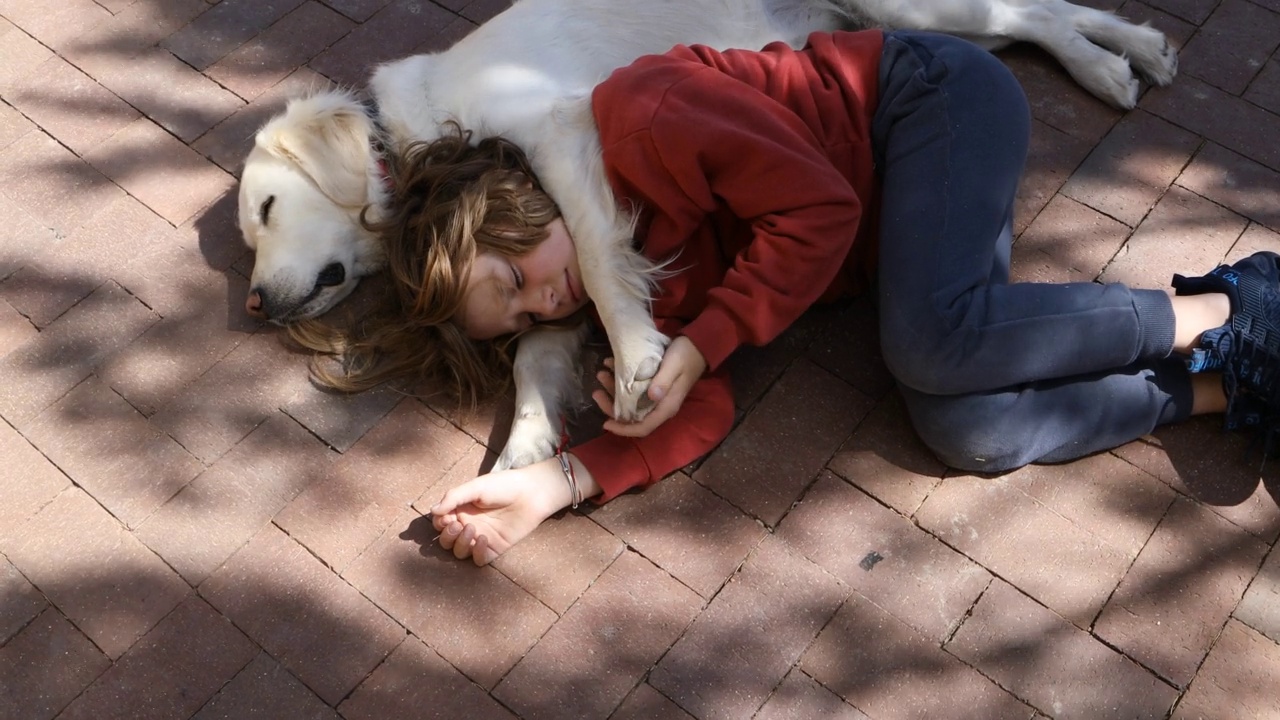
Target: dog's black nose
x=332, y=274
x=256, y=304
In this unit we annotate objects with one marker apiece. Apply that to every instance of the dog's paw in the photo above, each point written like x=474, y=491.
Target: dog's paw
x=533, y=439
x=631, y=398
x=1156, y=61
x=1111, y=79
x=1143, y=47
x=633, y=369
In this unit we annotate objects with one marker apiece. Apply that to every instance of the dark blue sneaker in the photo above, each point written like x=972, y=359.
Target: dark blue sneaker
x=1247, y=349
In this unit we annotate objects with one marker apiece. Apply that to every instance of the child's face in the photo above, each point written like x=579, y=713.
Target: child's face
x=506, y=295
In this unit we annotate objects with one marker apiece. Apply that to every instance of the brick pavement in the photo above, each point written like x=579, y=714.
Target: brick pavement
x=189, y=530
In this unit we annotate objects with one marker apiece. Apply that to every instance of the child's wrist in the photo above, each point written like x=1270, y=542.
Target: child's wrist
x=554, y=488
x=587, y=486
x=557, y=487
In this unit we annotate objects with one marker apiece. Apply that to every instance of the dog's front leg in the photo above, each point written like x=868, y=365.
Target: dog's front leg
x=634, y=340
x=617, y=278
x=548, y=379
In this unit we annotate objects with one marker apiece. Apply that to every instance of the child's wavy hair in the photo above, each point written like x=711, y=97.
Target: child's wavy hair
x=451, y=201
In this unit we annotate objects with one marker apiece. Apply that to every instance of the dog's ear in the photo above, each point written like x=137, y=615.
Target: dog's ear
x=328, y=138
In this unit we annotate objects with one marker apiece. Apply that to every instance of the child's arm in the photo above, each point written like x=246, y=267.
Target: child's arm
x=483, y=518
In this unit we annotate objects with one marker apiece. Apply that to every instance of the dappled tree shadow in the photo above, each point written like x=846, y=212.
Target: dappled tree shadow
x=159, y=356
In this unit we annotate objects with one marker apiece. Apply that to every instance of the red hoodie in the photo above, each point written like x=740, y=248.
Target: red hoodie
x=754, y=176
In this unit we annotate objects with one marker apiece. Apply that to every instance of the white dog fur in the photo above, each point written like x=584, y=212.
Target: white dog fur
x=526, y=74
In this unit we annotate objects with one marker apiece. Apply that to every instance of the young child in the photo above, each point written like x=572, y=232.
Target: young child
x=776, y=180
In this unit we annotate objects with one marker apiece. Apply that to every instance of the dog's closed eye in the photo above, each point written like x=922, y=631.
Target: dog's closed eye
x=264, y=212
x=332, y=274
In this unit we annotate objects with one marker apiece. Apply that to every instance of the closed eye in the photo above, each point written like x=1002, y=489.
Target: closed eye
x=264, y=211
x=518, y=278
x=332, y=274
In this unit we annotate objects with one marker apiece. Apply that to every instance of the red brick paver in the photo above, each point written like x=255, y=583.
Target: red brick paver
x=190, y=529
x=1035, y=654
x=880, y=665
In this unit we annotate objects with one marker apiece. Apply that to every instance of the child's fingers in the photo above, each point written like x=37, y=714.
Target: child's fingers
x=657, y=392
x=449, y=534
x=462, y=546
x=603, y=401
x=443, y=506
x=440, y=522
x=667, y=374
x=605, y=378
x=482, y=554
x=660, y=414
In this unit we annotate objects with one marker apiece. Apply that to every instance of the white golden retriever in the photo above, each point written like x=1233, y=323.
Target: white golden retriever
x=526, y=74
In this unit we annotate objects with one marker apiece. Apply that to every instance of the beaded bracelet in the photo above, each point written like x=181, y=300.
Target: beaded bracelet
x=575, y=495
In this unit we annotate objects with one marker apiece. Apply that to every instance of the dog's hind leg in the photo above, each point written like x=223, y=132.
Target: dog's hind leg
x=1082, y=39
x=547, y=380
x=1147, y=49
x=1097, y=48
x=1097, y=69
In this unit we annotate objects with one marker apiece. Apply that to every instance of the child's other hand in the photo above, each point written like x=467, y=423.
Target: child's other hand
x=483, y=518
x=682, y=365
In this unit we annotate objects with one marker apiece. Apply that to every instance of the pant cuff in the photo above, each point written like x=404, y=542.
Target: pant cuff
x=1156, y=324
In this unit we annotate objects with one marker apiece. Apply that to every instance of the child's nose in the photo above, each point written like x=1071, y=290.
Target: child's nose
x=549, y=301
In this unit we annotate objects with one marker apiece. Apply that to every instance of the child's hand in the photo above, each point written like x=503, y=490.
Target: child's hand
x=682, y=365
x=483, y=518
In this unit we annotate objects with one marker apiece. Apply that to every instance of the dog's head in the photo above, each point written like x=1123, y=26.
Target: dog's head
x=311, y=171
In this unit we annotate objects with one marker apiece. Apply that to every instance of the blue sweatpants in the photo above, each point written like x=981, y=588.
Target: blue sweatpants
x=996, y=375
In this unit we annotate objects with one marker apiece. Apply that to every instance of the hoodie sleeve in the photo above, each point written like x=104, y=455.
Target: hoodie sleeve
x=620, y=463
